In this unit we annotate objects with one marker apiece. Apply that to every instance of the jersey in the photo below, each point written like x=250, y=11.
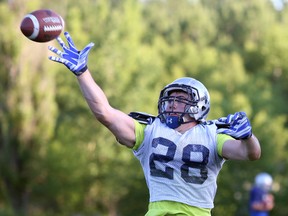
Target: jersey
x=180, y=167
x=257, y=194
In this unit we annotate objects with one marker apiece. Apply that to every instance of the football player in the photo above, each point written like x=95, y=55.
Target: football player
x=261, y=199
x=180, y=152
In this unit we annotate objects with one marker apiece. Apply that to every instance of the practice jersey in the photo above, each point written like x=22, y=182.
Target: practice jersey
x=180, y=167
x=257, y=194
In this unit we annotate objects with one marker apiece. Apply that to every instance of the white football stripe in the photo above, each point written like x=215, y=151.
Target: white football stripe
x=52, y=28
x=35, y=24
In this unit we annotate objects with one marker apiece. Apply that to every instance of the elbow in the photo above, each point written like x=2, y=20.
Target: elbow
x=254, y=148
x=255, y=155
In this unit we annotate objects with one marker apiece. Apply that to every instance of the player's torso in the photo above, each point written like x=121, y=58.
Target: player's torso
x=179, y=163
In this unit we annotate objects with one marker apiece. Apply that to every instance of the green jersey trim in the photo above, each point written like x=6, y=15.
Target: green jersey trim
x=221, y=139
x=139, y=133
x=175, y=208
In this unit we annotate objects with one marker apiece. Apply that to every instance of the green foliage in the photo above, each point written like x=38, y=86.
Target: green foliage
x=53, y=152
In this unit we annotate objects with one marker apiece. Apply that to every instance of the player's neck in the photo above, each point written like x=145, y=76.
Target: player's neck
x=185, y=127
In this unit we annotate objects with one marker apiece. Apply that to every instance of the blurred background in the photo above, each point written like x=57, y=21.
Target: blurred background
x=55, y=159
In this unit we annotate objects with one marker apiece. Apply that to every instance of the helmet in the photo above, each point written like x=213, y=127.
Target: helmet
x=197, y=105
x=264, y=181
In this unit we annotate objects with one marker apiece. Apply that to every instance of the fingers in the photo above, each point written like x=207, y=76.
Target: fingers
x=230, y=118
x=87, y=48
x=238, y=125
x=227, y=119
x=222, y=120
x=240, y=115
x=56, y=59
x=243, y=114
x=69, y=40
x=241, y=118
x=90, y=45
x=222, y=123
x=236, y=116
x=55, y=50
x=74, y=60
x=61, y=42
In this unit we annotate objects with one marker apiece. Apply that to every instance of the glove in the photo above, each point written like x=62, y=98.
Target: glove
x=73, y=59
x=224, y=122
x=237, y=126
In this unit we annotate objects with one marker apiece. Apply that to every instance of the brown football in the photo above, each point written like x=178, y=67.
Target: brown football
x=42, y=25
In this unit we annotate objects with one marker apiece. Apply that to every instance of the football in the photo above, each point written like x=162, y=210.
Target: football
x=42, y=25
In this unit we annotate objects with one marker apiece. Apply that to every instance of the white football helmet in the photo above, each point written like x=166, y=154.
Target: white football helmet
x=197, y=106
x=264, y=181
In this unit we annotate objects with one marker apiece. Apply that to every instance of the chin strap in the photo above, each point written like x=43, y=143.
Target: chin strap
x=175, y=121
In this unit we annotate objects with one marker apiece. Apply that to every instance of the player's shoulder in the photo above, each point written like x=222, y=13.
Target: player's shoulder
x=209, y=126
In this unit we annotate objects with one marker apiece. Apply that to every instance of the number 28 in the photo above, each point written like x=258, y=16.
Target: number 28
x=188, y=151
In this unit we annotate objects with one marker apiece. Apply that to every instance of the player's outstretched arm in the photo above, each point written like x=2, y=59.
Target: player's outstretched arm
x=119, y=123
x=246, y=146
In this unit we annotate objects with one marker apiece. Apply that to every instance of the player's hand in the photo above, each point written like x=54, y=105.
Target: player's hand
x=70, y=56
x=237, y=125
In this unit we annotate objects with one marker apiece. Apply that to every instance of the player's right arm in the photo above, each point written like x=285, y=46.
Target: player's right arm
x=119, y=123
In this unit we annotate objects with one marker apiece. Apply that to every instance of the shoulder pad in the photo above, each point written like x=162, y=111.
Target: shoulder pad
x=142, y=117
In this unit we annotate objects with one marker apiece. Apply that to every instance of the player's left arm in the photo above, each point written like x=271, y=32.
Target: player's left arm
x=243, y=149
x=245, y=146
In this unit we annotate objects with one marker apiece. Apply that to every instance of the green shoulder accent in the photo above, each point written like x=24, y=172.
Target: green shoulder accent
x=139, y=133
x=221, y=139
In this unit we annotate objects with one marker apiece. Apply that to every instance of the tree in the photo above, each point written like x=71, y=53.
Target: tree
x=27, y=111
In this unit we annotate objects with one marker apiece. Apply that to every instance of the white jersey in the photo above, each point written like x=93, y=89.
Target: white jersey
x=180, y=167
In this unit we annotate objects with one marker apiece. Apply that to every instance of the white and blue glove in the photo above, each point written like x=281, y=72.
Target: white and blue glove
x=237, y=126
x=71, y=57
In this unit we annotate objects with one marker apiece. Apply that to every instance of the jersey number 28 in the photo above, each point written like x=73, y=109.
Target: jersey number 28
x=187, y=159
